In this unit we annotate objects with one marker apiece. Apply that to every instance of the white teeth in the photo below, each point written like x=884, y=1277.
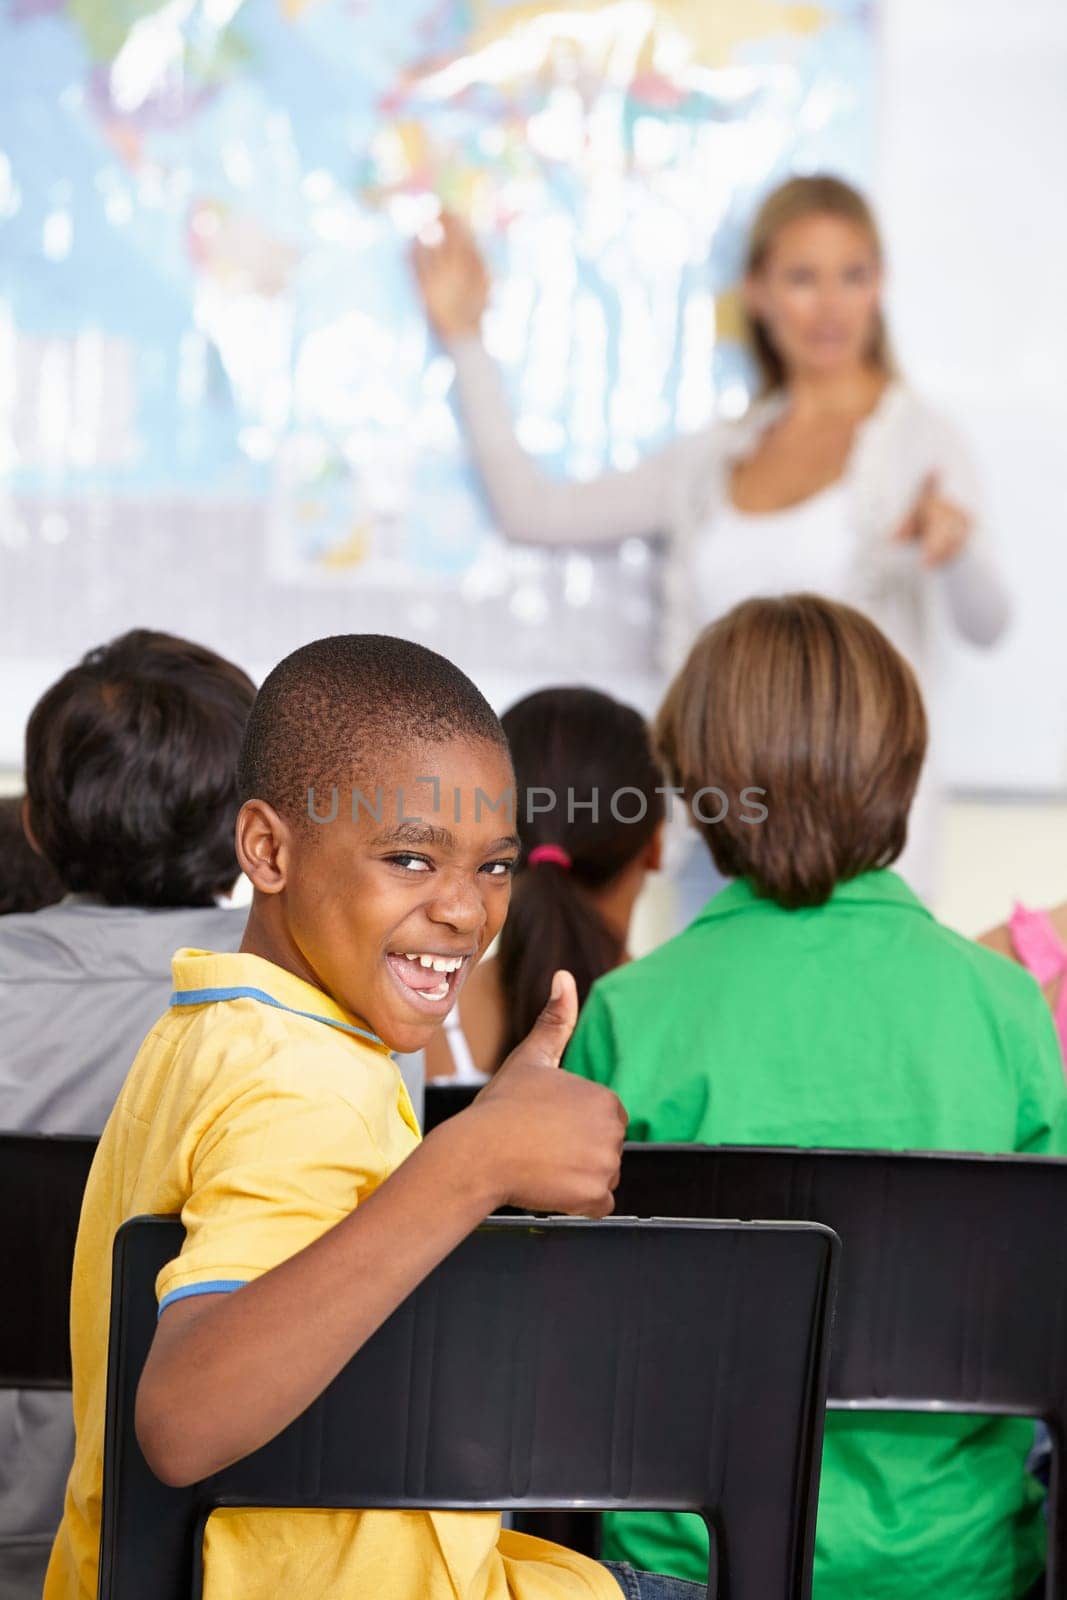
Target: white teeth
x=438, y=963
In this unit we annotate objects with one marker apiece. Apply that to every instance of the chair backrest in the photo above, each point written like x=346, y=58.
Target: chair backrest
x=42, y=1179
x=953, y=1291
x=443, y=1100
x=543, y=1363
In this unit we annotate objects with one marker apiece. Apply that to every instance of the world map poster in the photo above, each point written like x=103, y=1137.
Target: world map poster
x=221, y=409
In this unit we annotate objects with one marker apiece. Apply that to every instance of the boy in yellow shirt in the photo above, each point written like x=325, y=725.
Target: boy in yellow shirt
x=265, y=1109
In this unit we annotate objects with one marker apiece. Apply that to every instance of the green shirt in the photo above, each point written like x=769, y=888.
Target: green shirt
x=863, y=1023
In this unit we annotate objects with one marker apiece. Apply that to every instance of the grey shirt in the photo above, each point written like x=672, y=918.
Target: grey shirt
x=81, y=984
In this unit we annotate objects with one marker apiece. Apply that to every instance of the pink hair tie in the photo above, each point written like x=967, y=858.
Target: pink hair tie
x=554, y=853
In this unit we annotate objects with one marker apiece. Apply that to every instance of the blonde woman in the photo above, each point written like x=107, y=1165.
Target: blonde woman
x=839, y=478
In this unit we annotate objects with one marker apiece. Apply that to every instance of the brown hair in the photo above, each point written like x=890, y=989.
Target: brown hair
x=812, y=726
x=817, y=196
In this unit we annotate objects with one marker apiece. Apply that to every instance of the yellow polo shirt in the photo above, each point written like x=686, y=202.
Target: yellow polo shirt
x=262, y=1113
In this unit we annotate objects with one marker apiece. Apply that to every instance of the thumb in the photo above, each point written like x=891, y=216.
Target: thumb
x=548, y=1038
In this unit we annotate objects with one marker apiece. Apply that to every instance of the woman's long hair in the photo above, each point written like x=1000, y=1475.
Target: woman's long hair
x=817, y=196
x=586, y=783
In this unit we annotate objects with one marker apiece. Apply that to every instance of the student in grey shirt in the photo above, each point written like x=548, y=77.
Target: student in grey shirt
x=131, y=796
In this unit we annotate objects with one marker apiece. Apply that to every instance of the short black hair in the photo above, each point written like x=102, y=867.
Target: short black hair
x=131, y=771
x=330, y=712
x=27, y=882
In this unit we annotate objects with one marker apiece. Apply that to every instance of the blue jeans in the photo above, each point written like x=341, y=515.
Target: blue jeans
x=653, y=1585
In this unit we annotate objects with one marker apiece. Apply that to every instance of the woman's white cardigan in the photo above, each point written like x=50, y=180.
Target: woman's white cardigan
x=676, y=492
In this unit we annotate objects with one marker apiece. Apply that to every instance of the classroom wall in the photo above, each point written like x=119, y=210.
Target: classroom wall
x=973, y=126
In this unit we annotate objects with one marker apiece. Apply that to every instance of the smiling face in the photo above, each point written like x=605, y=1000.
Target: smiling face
x=388, y=913
x=817, y=293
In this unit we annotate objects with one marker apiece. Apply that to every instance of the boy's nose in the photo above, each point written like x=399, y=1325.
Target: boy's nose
x=459, y=905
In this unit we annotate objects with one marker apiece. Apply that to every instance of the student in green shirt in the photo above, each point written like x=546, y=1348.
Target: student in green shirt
x=816, y=1001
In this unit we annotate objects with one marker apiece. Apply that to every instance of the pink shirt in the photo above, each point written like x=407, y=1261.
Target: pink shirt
x=1041, y=951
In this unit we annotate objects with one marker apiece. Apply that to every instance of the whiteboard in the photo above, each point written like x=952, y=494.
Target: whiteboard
x=971, y=188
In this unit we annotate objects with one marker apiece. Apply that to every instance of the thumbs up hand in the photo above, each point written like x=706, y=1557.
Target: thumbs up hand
x=555, y=1139
x=937, y=526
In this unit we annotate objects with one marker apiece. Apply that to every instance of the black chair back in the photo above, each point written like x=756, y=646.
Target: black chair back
x=953, y=1291
x=42, y=1179
x=545, y=1363
x=443, y=1100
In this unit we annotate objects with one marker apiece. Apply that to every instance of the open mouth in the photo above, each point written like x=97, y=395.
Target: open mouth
x=429, y=979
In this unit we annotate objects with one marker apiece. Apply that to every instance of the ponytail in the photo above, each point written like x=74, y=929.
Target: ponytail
x=565, y=743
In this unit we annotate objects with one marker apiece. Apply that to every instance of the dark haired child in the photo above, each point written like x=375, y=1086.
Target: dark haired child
x=815, y=1001
x=131, y=799
x=264, y=1107
x=131, y=777
x=589, y=812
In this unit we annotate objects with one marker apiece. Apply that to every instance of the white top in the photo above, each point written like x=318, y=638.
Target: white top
x=460, y=1051
x=808, y=546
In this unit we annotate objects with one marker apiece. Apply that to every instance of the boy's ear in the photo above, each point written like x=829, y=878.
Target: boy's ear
x=262, y=840
x=654, y=849
x=27, y=826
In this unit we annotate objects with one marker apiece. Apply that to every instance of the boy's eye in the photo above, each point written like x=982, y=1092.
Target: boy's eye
x=499, y=869
x=410, y=863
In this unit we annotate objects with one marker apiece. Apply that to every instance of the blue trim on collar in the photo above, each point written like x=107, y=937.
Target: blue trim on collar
x=210, y=997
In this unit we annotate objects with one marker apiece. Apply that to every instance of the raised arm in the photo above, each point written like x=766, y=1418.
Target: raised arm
x=529, y=505
x=227, y=1372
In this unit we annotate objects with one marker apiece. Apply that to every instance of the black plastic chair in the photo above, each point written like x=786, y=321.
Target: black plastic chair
x=551, y=1363
x=443, y=1100
x=953, y=1290
x=42, y=1179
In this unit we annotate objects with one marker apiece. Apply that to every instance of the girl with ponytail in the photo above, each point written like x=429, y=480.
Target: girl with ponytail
x=589, y=810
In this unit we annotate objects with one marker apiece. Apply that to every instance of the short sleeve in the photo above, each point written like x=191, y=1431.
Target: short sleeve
x=592, y=1051
x=1041, y=1127
x=281, y=1165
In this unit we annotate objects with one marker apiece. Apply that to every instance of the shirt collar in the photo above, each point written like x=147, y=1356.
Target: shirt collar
x=879, y=888
x=213, y=976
